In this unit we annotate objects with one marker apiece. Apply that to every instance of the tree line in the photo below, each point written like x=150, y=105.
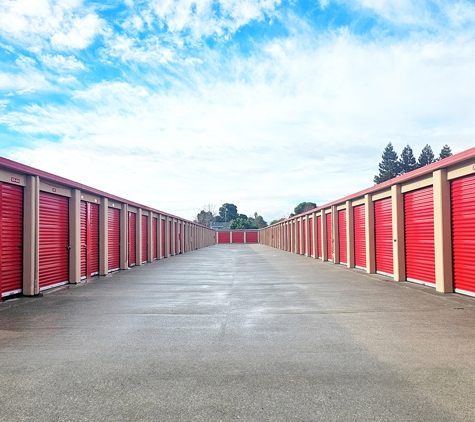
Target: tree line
x=228, y=213
x=392, y=165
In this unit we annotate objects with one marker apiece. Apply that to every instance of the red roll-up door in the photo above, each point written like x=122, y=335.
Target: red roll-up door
x=419, y=235
x=463, y=233
x=310, y=228
x=224, y=237
x=162, y=234
x=238, y=237
x=177, y=239
x=298, y=237
x=359, y=227
x=170, y=237
x=89, y=239
x=304, y=236
x=252, y=237
x=132, y=233
x=11, y=239
x=383, y=228
x=342, y=237
x=114, y=239
x=329, y=237
x=154, y=238
x=319, y=237
x=144, y=238
x=54, y=240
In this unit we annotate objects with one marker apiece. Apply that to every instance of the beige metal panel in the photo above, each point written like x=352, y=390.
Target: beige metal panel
x=114, y=204
x=341, y=207
x=31, y=236
x=370, y=241
x=399, y=258
x=13, y=178
x=103, y=237
x=417, y=184
x=350, y=236
x=130, y=208
x=90, y=198
x=145, y=212
x=57, y=190
x=442, y=233
x=381, y=195
x=75, y=237
x=460, y=170
x=357, y=202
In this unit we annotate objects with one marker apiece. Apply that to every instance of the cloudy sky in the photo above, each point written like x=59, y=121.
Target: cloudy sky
x=261, y=103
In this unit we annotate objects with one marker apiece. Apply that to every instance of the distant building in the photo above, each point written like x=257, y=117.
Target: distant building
x=219, y=226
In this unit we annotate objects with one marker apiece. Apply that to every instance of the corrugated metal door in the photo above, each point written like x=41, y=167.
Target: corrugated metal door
x=359, y=227
x=93, y=247
x=329, y=237
x=11, y=239
x=54, y=240
x=155, y=238
x=383, y=229
x=177, y=239
x=419, y=235
x=304, y=224
x=162, y=234
x=238, y=237
x=319, y=237
x=252, y=237
x=463, y=233
x=310, y=228
x=132, y=233
x=89, y=239
x=224, y=237
x=114, y=239
x=144, y=238
x=342, y=244
x=297, y=237
x=170, y=237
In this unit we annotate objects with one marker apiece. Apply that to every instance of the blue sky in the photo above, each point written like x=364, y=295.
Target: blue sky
x=261, y=103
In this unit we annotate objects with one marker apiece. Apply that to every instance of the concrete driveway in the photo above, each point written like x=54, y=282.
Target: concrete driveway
x=238, y=332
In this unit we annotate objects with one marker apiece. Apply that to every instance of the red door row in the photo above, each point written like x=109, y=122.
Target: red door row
x=359, y=227
x=11, y=239
x=89, y=239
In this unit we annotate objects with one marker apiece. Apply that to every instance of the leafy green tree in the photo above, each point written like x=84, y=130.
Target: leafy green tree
x=258, y=221
x=228, y=212
x=427, y=156
x=204, y=218
x=303, y=207
x=445, y=152
x=389, y=166
x=407, y=161
x=241, y=224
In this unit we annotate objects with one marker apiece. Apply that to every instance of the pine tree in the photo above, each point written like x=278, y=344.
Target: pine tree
x=407, y=161
x=445, y=152
x=427, y=156
x=389, y=167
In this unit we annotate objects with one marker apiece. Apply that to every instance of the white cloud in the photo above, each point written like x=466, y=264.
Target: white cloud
x=305, y=118
x=60, y=63
x=36, y=24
